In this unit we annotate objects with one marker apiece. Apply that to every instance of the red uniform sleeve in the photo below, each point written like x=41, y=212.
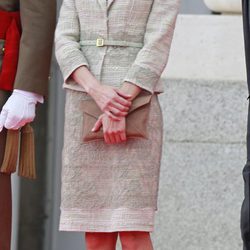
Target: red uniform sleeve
x=10, y=33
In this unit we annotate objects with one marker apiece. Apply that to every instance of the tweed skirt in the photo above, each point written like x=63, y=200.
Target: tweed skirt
x=109, y=187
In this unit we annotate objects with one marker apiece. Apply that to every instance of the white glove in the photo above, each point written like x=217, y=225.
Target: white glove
x=19, y=109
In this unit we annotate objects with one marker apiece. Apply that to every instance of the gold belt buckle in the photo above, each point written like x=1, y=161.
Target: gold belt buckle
x=99, y=42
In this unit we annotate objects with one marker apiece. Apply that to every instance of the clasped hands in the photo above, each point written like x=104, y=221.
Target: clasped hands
x=115, y=105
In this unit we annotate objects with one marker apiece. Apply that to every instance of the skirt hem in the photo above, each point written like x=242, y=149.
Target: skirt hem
x=107, y=220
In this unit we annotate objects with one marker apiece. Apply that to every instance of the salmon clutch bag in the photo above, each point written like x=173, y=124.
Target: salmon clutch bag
x=136, y=119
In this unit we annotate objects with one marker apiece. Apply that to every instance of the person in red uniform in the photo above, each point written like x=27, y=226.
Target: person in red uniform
x=26, y=40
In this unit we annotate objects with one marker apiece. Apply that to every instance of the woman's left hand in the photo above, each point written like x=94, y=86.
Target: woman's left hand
x=114, y=131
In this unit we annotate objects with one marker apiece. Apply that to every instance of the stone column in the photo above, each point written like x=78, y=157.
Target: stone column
x=224, y=6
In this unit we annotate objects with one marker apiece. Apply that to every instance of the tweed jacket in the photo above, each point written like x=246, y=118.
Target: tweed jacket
x=150, y=22
x=38, y=19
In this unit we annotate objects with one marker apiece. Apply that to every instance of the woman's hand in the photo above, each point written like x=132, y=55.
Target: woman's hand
x=114, y=131
x=112, y=101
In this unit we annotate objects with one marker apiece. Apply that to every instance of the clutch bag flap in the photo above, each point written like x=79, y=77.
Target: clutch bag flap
x=90, y=108
x=91, y=113
x=136, y=120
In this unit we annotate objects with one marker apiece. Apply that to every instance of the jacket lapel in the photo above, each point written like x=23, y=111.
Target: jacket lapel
x=110, y=2
x=105, y=4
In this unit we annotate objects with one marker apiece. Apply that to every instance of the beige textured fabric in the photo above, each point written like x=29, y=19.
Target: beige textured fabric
x=109, y=187
x=106, y=187
x=150, y=22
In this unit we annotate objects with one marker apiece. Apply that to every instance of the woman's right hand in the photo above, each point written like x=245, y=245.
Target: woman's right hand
x=111, y=101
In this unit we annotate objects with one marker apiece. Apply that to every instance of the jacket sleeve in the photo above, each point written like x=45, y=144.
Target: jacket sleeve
x=67, y=36
x=38, y=19
x=151, y=60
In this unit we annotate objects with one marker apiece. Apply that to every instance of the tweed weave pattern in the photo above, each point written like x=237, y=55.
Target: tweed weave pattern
x=150, y=22
x=109, y=187
x=113, y=187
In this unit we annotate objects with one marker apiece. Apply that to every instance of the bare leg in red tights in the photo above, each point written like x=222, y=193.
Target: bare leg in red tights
x=101, y=241
x=130, y=240
x=136, y=240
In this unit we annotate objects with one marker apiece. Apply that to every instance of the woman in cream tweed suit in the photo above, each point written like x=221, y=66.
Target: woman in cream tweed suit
x=111, y=51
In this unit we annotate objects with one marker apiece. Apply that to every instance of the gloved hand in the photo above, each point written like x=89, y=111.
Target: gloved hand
x=19, y=109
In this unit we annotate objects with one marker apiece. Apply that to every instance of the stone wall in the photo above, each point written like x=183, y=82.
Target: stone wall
x=205, y=111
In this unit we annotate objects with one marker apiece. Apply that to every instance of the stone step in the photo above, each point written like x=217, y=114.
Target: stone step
x=204, y=110
x=207, y=47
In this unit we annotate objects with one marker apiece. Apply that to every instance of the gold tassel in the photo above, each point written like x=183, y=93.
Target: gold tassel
x=27, y=167
x=11, y=152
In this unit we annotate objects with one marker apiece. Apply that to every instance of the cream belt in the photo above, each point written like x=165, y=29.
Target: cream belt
x=99, y=42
